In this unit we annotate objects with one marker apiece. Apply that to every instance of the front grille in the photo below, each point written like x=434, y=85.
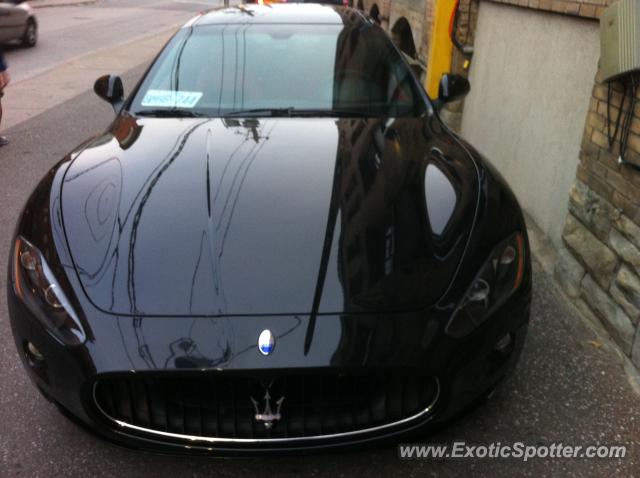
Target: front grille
x=220, y=406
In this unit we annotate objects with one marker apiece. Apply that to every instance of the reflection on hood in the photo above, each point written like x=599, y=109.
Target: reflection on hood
x=198, y=217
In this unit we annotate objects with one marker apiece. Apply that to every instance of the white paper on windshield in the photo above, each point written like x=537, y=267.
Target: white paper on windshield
x=171, y=99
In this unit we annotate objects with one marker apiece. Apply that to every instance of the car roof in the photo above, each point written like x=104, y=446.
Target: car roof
x=279, y=13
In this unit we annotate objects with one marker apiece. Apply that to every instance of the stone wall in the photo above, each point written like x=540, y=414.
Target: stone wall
x=600, y=267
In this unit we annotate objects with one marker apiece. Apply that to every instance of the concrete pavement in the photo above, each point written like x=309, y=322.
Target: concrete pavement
x=59, y=3
x=69, y=33
x=55, y=86
x=569, y=387
x=80, y=43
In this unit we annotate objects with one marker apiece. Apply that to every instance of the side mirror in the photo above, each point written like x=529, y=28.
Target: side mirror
x=452, y=87
x=110, y=89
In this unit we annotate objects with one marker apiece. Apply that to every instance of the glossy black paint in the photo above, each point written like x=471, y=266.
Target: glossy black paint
x=179, y=240
x=257, y=206
x=452, y=88
x=110, y=89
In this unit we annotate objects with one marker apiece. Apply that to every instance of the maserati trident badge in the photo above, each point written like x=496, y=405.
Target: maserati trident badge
x=267, y=416
x=266, y=342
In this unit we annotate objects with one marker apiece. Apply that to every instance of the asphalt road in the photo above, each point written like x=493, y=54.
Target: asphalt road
x=71, y=31
x=569, y=386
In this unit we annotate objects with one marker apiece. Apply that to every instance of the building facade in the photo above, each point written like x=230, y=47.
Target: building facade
x=540, y=110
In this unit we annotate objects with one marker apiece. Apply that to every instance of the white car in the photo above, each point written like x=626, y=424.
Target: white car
x=18, y=22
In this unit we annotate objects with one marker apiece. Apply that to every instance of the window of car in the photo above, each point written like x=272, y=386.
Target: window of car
x=220, y=70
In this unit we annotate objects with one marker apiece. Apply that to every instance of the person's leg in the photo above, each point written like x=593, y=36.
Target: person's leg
x=3, y=139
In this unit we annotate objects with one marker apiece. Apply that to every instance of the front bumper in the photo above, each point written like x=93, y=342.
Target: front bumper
x=463, y=370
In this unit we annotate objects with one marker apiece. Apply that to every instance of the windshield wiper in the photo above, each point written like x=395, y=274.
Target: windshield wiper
x=330, y=113
x=168, y=113
x=261, y=112
x=293, y=112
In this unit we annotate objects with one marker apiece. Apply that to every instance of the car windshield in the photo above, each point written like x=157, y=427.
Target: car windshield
x=279, y=69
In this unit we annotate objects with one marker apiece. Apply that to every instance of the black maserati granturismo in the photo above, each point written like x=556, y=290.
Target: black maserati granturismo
x=276, y=246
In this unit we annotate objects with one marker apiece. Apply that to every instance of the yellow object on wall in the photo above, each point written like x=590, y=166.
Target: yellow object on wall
x=441, y=47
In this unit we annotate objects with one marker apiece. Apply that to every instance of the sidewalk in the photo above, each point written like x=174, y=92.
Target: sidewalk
x=28, y=98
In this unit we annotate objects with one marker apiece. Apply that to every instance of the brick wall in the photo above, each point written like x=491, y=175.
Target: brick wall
x=420, y=17
x=384, y=6
x=427, y=26
x=467, y=14
x=419, y=14
x=582, y=8
x=465, y=33
x=401, y=9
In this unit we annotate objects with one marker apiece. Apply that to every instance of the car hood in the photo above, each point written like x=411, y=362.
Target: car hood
x=219, y=217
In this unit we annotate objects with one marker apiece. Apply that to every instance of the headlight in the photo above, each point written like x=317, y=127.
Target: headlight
x=35, y=285
x=500, y=276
